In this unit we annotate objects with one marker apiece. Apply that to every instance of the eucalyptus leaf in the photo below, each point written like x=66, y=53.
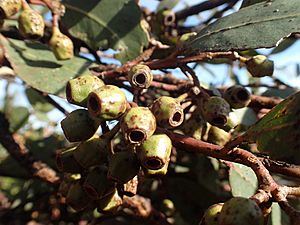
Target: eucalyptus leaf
x=251, y=2
x=282, y=93
x=242, y=180
x=35, y=64
x=256, y=26
x=37, y=101
x=284, y=45
x=278, y=133
x=166, y=4
x=278, y=217
x=17, y=117
x=11, y=168
x=107, y=24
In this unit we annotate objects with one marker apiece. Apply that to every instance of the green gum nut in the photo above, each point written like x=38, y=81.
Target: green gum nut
x=79, y=126
x=215, y=110
x=138, y=124
x=211, y=215
x=96, y=184
x=78, y=89
x=107, y=102
x=130, y=187
x=66, y=162
x=168, y=112
x=156, y=173
x=241, y=211
x=61, y=45
x=237, y=96
x=92, y=152
x=155, y=152
x=194, y=125
x=31, y=24
x=168, y=17
x=260, y=66
x=66, y=182
x=9, y=8
x=123, y=166
x=110, y=203
x=77, y=198
x=218, y=136
x=140, y=76
x=168, y=207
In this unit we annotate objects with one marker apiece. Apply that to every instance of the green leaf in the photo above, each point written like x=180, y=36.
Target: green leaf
x=43, y=148
x=37, y=66
x=278, y=133
x=259, y=25
x=166, y=4
x=107, y=24
x=244, y=116
x=278, y=217
x=284, y=45
x=251, y=2
x=37, y=101
x=11, y=168
x=17, y=117
x=242, y=180
x=282, y=93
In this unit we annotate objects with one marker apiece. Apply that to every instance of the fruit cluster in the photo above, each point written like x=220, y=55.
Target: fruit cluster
x=104, y=172
x=236, y=211
x=31, y=26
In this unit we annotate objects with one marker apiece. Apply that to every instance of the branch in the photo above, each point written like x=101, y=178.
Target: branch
x=203, y=6
x=237, y=155
x=280, y=167
x=22, y=155
x=263, y=102
x=291, y=212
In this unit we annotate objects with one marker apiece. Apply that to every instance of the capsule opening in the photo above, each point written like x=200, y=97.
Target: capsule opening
x=177, y=117
x=169, y=19
x=140, y=79
x=154, y=163
x=243, y=95
x=93, y=103
x=2, y=14
x=219, y=121
x=136, y=136
x=69, y=92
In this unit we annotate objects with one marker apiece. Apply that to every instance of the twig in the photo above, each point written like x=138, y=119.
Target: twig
x=203, y=6
x=263, y=102
x=22, y=155
x=237, y=155
x=280, y=167
x=292, y=212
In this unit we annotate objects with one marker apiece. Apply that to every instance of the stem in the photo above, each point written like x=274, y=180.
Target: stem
x=237, y=155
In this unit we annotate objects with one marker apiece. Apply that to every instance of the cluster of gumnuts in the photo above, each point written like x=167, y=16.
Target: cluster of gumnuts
x=105, y=174
x=31, y=26
x=96, y=174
